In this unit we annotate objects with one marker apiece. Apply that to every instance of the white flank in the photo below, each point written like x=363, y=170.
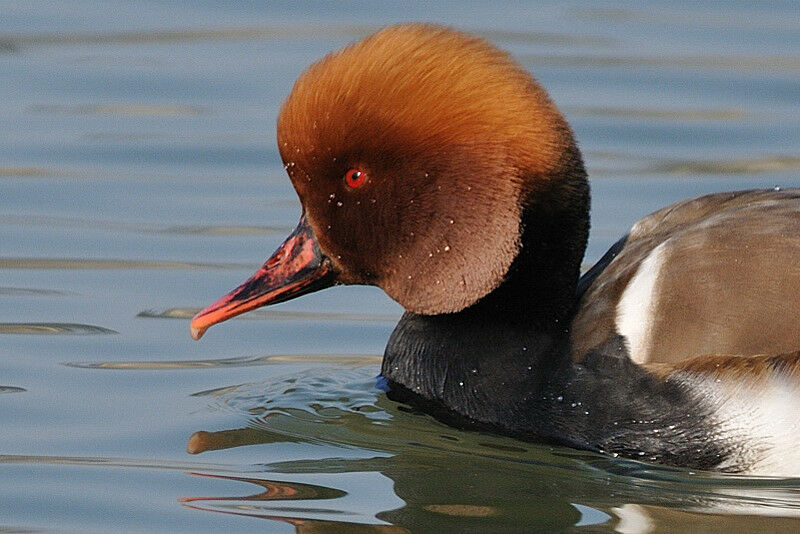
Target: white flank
x=635, y=309
x=758, y=417
x=633, y=519
x=765, y=417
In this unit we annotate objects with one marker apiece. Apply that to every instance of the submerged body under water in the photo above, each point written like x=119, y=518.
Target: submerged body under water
x=133, y=186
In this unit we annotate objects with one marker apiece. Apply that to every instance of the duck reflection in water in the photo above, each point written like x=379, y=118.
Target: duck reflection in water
x=422, y=476
x=285, y=492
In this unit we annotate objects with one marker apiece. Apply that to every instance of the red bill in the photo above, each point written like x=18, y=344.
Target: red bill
x=296, y=268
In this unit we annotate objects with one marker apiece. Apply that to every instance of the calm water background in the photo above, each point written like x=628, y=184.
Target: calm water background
x=139, y=180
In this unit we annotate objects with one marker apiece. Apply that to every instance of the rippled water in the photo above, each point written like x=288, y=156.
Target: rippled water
x=139, y=179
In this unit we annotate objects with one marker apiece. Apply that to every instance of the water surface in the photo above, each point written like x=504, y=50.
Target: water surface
x=139, y=180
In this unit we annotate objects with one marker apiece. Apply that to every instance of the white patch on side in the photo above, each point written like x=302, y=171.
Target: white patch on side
x=759, y=418
x=636, y=307
x=633, y=519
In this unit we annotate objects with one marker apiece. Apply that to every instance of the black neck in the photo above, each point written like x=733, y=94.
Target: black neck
x=503, y=364
x=479, y=361
x=473, y=363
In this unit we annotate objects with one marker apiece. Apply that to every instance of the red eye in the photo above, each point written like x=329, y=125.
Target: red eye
x=355, y=178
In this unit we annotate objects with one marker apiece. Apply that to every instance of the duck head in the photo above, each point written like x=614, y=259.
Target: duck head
x=425, y=159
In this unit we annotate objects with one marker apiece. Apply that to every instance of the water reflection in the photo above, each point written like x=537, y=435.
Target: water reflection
x=306, y=506
x=49, y=221
x=87, y=263
x=273, y=490
x=762, y=64
x=121, y=109
x=628, y=164
x=456, y=481
x=54, y=329
x=32, y=292
x=341, y=359
x=18, y=172
x=13, y=43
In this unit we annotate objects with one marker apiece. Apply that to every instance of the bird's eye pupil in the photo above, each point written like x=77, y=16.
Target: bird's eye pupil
x=354, y=178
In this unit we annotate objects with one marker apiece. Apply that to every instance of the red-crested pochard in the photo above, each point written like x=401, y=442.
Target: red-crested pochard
x=431, y=165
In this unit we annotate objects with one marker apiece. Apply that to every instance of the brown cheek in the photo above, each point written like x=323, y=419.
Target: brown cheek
x=324, y=212
x=358, y=238
x=345, y=259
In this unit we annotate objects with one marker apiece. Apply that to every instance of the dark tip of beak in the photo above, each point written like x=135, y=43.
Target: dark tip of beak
x=296, y=268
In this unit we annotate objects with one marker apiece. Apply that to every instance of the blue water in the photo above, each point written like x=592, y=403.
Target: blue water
x=139, y=180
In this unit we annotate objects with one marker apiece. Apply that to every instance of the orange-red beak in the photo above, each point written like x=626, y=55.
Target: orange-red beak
x=296, y=268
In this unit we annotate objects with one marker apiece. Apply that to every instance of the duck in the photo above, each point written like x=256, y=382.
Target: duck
x=430, y=164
